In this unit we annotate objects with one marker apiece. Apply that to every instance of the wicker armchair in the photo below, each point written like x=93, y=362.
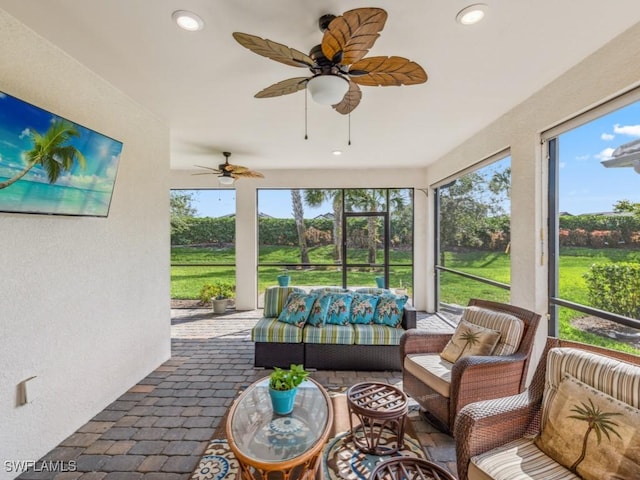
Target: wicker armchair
x=473, y=378
x=483, y=426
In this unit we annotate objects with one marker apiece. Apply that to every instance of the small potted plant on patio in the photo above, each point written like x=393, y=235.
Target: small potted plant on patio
x=283, y=386
x=218, y=293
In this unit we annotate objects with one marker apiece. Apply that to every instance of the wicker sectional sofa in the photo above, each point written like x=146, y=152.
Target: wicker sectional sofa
x=332, y=347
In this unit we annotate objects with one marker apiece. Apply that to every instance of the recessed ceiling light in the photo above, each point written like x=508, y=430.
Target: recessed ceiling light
x=471, y=14
x=337, y=152
x=188, y=20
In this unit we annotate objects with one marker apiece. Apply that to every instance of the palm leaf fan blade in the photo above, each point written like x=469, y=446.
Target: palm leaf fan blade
x=273, y=50
x=385, y=71
x=350, y=101
x=248, y=174
x=350, y=36
x=285, y=87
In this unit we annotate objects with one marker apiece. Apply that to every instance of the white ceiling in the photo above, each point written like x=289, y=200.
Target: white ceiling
x=202, y=84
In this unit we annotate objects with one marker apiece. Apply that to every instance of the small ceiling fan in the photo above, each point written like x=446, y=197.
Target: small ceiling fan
x=338, y=65
x=227, y=172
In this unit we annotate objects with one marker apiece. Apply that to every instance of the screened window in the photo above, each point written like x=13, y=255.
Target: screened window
x=336, y=237
x=203, y=230
x=594, y=282
x=473, y=236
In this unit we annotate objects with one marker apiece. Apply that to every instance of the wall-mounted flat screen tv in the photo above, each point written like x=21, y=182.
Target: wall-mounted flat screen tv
x=50, y=165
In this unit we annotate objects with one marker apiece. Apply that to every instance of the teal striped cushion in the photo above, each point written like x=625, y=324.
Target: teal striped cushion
x=518, y=460
x=275, y=298
x=329, y=290
x=271, y=330
x=377, y=335
x=373, y=290
x=336, y=334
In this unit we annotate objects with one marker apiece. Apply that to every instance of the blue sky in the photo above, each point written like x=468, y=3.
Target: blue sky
x=585, y=185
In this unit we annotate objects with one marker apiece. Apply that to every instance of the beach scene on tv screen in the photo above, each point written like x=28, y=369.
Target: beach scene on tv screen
x=50, y=165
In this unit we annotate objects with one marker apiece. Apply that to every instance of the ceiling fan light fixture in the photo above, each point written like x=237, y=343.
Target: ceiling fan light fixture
x=225, y=180
x=328, y=89
x=472, y=14
x=188, y=20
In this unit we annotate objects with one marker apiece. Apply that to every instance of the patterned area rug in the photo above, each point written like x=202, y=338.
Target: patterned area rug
x=341, y=459
x=218, y=462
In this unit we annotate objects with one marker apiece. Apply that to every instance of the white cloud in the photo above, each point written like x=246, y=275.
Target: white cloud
x=607, y=136
x=25, y=133
x=582, y=157
x=604, y=154
x=562, y=164
x=631, y=130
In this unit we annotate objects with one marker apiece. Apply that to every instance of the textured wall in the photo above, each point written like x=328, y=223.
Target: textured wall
x=603, y=75
x=84, y=302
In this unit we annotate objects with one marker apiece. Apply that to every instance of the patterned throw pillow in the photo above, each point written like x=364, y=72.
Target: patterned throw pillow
x=297, y=309
x=275, y=299
x=470, y=339
x=339, y=309
x=363, y=308
x=319, y=311
x=591, y=433
x=389, y=310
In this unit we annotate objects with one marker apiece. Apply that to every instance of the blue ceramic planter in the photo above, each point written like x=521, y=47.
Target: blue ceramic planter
x=283, y=280
x=283, y=400
x=380, y=282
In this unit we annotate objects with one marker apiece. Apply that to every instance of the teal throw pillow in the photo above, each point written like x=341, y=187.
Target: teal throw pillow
x=297, y=309
x=389, y=310
x=339, y=309
x=363, y=308
x=319, y=311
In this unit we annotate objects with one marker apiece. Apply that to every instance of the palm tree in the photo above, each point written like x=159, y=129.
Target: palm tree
x=298, y=215
x=470, y=338
x=315, y=198
x=598, y=422
x=52, y=151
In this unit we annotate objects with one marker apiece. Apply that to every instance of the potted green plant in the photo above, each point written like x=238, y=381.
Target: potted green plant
x=284, y=278
x=283, y=387
x=218, y=293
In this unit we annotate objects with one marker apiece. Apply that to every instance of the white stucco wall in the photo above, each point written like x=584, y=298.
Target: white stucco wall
x=601, y=76
x=246, y=225
x=84, y=302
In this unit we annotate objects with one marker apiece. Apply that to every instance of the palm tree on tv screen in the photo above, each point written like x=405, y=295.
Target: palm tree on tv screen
x=53, y=151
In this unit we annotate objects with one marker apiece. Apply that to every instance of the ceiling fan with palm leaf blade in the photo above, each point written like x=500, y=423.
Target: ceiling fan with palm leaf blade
x=338, y=65
x=227, y=172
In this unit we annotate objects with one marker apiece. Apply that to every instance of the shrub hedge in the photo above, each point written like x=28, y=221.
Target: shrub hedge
x=615, y=287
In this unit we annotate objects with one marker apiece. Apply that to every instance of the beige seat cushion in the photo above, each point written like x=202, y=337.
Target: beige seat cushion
x=511, y=328
x=518, y=460
x=470, y=339
x=431, y=370
x=592, y=433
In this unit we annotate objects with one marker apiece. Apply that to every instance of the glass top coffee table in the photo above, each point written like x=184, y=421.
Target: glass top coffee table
x=264, y=442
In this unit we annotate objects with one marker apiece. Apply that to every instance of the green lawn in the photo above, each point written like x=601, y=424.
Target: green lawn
x=186, y=282
x=574, y=263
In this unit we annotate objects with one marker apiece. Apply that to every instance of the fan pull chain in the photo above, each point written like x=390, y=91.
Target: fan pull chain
x=306, y=114
x=349, y=143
